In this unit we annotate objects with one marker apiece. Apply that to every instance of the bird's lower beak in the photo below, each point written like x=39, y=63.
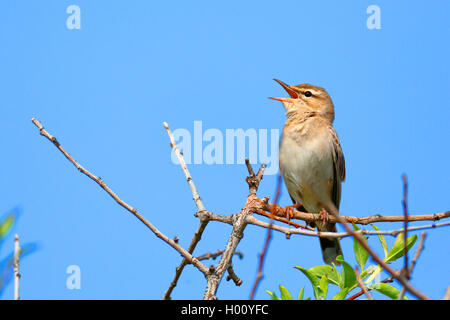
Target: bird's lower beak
x=282, y=99
x=293, y=94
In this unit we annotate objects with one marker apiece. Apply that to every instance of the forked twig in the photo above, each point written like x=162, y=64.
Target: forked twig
x=201, y=211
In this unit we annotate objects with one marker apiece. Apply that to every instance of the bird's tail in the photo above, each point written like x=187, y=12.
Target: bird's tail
x=331, y=248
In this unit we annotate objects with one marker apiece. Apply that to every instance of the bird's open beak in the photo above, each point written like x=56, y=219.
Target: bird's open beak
x=292, y=93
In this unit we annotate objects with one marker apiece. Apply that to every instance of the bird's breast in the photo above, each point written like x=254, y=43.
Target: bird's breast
x=306, y=164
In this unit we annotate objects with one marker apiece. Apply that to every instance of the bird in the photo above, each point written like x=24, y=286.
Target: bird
x=311, y=159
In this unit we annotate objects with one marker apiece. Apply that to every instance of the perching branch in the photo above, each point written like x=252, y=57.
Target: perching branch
x=311, y=217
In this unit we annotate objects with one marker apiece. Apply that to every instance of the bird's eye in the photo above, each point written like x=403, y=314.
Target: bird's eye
x=308, y=94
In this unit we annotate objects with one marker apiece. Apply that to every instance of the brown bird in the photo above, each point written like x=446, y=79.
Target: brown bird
x=311, y=158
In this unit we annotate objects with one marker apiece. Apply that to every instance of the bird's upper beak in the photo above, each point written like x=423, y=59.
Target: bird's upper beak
x=292, y=93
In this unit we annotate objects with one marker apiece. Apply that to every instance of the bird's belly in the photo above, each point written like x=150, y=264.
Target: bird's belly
x=307, y=169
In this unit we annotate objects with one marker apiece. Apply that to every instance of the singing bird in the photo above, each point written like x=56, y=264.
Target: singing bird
x=311, y=159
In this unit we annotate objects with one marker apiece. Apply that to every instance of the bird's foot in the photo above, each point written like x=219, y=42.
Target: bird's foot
x=287, y=211
x=324, y=217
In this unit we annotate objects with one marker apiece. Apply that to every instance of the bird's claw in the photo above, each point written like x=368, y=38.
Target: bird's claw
x=287, y=211
x=324, y=217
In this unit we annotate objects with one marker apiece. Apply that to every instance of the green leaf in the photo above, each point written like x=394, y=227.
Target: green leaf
x=331, y=273
x=314, y=281
x=348, y=276
x=7, y=224
x=273, y=295
x=398, y=249
x=375, y=272
x=367, y=272
x=323, y=284
x=387, y=290
x=285, y=295
x=300, y=294
x=361, y=254
x=382, y=241
x=341, y=294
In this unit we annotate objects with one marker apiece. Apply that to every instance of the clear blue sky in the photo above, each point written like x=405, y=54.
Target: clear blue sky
x=105, y=89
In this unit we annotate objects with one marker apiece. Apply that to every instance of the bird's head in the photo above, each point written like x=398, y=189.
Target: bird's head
x=306, y=98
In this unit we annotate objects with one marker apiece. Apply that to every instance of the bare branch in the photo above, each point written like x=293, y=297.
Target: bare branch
x=290, y=231
x=239, y=222
x=413, y=262
x=419, y=250
x=197, y=199
x=218, y=253
x=262, y=255
x=405, y=234
x=122, y=203
x=252, y=179
x=201, y=211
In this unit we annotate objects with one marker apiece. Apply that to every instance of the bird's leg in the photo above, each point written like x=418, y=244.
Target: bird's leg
x=324, y=217
x=287, y=211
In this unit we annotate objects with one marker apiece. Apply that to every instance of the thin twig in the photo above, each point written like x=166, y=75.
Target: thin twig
x=201, y=210
x=214, y=255
x=361, y=284
x=289, y=231
x=17, y=275
x=405, y=234
x=413, y=262
x=122, y=203
x=419, y=250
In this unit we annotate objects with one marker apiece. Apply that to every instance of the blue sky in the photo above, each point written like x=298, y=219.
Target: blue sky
x=105, y=89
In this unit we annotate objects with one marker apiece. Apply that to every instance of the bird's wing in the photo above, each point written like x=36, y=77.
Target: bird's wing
x=338, y=167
